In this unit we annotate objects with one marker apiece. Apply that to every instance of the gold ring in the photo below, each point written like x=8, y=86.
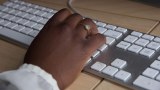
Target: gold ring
x=87, y=28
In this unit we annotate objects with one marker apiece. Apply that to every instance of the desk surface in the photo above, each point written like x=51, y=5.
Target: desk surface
x=125, y=13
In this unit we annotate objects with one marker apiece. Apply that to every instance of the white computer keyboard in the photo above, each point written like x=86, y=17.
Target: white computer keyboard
x=129, y=58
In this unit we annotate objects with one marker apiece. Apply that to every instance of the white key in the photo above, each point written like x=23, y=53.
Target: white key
x=110, y=40
x=138, y=34
x=89, y=60
x=29, y=16
x=159, y=58
x=135, y=48
x=123, y=45
x=36, y=18
x=48, y=15
x=14, y=12
x=130, y=39
x=123, y=75
x=109, y=70
x=147, y=83
x=103, y=47
x=30, y=24
x=155, y=65
x=22, y=14
x=18, y=27
x=8, y=3
x=26, y=30
x=101, y=24
x=142, y=42
x=16, y=19
x=147, y=52
x=113, y=34
x=8, y=17
x=43, y=21
x=25, y=39
x=122, y=30
x=157, y=39
x=23, y=21
x=40, y=13
x=34, y=33
x=119, y=63
x=98, y=66
x=112, y=27
x=158, y=77
x=4, y=23
x=101, y=30
x=149, y=72
x=33, y=11
x=154, y=45
x=95, y=53
x=11, y=25
x=38, y=26
x=149, y=37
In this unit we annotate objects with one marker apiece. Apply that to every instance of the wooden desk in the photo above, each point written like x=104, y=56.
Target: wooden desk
x=132, y=15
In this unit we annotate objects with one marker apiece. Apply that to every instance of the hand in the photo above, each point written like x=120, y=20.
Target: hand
x=63, y=46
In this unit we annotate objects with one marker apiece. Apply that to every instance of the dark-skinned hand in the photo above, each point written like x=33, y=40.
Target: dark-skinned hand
x=63, y=46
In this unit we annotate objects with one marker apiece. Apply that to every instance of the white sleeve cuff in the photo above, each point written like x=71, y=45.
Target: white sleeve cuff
x=42, y=73
x=30, y=77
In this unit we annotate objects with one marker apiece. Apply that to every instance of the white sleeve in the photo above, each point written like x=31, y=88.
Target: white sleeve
x=27, y=77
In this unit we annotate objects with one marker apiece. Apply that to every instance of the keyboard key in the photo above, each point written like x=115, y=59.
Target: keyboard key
x=154, y=45
x=149, y=72
x=119, y=63
x=155, y=65
x=43, y=21
x=19, y=27
x=103, y=47
x=158, y=77
x=138, y=34
x=95, y=54
x=38, y=26
x=47, y=15
x=130, y=39
x=122, y=30
x=147, y=83
x=157, y=39
x=36, y=18
x=147, y=52
x=16, y=19
x=4, y=22
x=109, y=70
x=123, y=45
x=110, y=41
x=135, y=48
x=31, y=24
x=101, y=30
x=34, y=33
x=101, y=24
x=123, y=75
x=12, y=25
x=28, y=16
x=113, y=34
x=148, y=37
x=142, y=42
x=26, y=30
x=112, y=27
x=98, y=66
x=23, y=21
x=24, y=39
x=159, y=58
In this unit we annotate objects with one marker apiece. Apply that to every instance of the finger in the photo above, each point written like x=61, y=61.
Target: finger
x=73, y=20
x=60, y=16
x=95, y=42
x=82, y=30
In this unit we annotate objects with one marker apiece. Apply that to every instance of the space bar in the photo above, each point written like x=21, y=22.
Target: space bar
x=16, y=36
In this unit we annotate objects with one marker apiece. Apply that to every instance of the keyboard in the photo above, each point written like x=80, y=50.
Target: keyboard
x=128, y=57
